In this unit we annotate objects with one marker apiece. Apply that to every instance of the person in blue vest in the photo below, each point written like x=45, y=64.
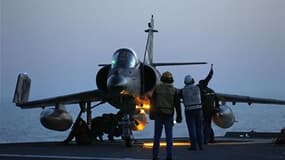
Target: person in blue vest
x=164, y=102
x=191, y=97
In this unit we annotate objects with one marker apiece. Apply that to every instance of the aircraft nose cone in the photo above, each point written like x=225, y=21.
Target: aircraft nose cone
x=116, y=82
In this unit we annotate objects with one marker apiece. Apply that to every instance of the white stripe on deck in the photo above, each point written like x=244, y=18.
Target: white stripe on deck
x=63, y=157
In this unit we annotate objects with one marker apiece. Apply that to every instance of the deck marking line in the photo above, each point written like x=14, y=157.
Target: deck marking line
x=64, y=157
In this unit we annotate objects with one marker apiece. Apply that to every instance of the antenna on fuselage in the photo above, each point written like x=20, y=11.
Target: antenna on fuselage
x=148, y=55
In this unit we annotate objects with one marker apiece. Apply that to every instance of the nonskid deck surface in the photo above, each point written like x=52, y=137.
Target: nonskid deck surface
x=225, y=148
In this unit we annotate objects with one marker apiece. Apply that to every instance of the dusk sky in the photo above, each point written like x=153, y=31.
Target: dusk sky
x=60, y=43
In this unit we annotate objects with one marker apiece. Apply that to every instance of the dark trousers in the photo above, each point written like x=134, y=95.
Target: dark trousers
x=159, y=122
x=194, y=120
x=207, y=126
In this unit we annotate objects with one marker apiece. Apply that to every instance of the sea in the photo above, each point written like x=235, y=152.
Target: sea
x=23, y=125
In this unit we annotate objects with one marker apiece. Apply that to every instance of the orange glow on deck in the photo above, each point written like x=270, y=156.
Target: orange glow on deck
x=163, y=144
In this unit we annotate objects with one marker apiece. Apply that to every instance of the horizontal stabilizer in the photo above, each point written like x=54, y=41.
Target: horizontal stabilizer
x=169, y=64
x=178, y=63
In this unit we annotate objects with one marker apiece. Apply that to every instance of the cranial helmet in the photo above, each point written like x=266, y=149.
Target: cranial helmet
x=167, y=77
x=188, y=80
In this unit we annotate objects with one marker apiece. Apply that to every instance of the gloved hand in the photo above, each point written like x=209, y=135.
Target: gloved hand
x=178, y=119
x=151, y=115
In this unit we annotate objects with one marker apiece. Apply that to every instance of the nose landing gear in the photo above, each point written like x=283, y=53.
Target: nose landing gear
x=127, y=133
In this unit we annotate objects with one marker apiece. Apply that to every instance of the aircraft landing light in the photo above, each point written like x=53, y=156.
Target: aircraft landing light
x=163, y=144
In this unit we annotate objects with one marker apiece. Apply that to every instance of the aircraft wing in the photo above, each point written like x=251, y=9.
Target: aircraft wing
x=246, y=99
x=76, y=98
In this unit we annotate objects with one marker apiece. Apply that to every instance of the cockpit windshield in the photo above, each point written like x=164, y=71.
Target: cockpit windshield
x=124, y=58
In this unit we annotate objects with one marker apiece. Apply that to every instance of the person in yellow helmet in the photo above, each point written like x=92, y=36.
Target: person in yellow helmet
x=164, y=102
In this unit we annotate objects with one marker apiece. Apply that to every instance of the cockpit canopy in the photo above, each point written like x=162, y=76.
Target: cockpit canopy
x=124, y=58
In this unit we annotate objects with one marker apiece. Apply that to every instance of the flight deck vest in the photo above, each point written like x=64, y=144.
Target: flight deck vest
x=191, y=97
x=164, y=98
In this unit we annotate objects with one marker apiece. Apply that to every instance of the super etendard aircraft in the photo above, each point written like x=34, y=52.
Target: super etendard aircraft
x=126, y=84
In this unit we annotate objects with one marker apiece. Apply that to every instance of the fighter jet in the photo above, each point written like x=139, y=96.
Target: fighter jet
x=127, y=84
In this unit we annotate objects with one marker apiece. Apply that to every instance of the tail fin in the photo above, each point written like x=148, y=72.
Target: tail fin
x=22, y=90
x=148, y=55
